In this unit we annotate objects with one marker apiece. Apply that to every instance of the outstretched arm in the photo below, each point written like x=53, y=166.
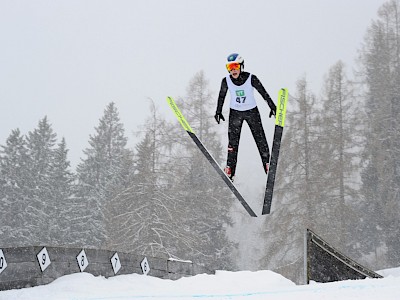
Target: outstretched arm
x=256, y=83
x=222, y=93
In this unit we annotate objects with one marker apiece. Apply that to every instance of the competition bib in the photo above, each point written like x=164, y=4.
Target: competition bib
x=242, y=97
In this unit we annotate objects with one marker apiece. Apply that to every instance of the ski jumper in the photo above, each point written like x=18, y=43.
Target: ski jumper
x=243, y=107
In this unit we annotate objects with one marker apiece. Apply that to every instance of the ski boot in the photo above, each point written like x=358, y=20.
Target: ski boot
x=228, y=172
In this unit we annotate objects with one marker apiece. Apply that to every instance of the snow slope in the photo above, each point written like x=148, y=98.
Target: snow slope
x=222, y=285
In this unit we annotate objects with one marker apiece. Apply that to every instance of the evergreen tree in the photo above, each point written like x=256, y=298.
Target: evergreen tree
x=151, y=161
x=145, y=161
x=380, y=59
x=40, y=206
x=102, y=174
x=340, y=147
x=142, y=212
x=35, y=187
x=14, y=191
x=62, y=194
x=295, y=182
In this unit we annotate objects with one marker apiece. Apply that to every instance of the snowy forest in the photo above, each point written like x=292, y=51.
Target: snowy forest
x=338, y=174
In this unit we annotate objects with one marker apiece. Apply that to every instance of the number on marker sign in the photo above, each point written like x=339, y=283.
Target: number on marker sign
x=82, y=260
x=43, y=259
x=116, y=263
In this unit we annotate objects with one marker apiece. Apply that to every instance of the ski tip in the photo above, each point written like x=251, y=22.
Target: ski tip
x=178, y=115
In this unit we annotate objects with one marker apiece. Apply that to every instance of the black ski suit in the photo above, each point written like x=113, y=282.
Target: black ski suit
x=251, y=116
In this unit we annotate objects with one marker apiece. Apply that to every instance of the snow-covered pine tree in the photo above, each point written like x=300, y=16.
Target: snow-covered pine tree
x=40, y=205
x=103, y=173
x=62, y=194
x=14, y=191
x=339, y=151
x=35, y=186
x=380, y=67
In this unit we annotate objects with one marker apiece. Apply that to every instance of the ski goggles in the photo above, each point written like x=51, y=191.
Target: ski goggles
x=233, y=66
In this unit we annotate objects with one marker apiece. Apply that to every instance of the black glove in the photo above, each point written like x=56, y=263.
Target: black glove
x=218, y=117
x=273, y=111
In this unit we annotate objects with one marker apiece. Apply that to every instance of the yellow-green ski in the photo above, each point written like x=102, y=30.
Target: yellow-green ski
x=279, y=124
x=179, y=115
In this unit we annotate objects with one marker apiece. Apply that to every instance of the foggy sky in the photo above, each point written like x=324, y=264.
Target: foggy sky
x=68, y=59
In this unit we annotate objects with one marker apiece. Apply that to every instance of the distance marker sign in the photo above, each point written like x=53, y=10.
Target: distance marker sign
x=116, y=263
x=3, y=262
x=43, y=259
x=82, y=260
x=145, y=266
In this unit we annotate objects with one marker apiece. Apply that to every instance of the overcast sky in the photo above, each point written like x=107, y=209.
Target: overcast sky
x=68, y=59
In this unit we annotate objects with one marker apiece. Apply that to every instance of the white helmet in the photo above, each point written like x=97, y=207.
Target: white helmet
x=235, y=58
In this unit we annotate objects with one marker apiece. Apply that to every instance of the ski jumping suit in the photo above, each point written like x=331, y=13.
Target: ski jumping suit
x=243, y=107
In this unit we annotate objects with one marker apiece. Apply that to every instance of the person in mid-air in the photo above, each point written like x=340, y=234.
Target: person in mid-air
x=243, y=107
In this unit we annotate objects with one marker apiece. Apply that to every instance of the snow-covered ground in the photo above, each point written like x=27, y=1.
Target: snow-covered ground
x=222, y=285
